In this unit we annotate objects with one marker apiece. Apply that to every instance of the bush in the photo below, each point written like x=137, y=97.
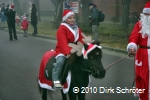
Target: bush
x=85, y=28
x=115, y=19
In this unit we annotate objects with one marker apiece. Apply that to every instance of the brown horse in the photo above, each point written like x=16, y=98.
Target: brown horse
x=80, y=69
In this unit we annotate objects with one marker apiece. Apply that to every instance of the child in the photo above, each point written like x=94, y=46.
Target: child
x=68, y=32
x=24, y=26
x=17, y=18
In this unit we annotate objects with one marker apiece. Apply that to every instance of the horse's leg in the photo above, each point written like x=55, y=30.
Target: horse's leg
x=81, y=96
x=44, y=94
x=72, y=95
x=63, y=96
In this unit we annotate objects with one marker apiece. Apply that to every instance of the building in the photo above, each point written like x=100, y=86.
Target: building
x=113, y=8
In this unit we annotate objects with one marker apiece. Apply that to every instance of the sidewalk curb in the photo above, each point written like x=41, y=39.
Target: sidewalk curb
x=53, y=38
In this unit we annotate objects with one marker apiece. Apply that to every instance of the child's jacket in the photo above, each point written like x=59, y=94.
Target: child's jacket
x=24, y=24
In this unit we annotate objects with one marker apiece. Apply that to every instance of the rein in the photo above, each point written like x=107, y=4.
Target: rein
x=110, y=65
x=118, y=61
x=87, y=70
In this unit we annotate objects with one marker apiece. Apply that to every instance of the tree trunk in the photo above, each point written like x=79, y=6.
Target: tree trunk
x=58, y=4
x=58, y=14
x=117, y=11
x=125, y=14
x=36, y=2
x=18, y=7
x=85, y=11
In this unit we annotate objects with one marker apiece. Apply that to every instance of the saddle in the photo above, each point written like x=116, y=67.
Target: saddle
x=45, y=73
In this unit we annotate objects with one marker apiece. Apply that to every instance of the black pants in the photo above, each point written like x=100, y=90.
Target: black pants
x=35, y=29
x=12, y=29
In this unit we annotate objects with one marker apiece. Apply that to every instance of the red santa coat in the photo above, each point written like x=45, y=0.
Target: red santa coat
x=24, y=25
x=142, y=61
x=65, y=35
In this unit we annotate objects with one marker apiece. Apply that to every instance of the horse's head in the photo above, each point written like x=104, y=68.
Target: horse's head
x=94, y=54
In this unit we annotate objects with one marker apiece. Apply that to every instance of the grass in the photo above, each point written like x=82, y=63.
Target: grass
x=45, y=28
x=110, y=34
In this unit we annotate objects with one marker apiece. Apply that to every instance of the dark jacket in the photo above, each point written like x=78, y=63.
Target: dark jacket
x=10, y=15
x=3, y=9
x=33, y=16
x=94, y=16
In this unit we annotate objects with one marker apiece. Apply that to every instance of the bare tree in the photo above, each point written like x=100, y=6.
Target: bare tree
x=36, y=2
x=58, y=4
x=125, y=14
x=18, y=7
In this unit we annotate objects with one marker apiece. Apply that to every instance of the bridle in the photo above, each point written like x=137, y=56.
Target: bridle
x=90, y=70
x=87, y=70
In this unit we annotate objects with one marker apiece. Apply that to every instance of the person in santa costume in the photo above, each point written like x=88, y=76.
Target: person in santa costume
x=139, y=45
x=68, y=32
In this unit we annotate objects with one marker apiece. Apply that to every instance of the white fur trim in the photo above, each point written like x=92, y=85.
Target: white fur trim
x=138, y=64
x=68, y=79
x=67, y=15
x=100, y=47
x=65, y=90
x=42, y=85
x=76, y=37
x=85, y=55
x=146, y=10
x=60, y=55
x=131, y=45
x=89, y=81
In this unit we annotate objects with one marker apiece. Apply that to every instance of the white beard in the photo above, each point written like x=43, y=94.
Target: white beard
x=145, y=25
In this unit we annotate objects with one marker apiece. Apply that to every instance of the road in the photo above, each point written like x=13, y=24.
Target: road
x=19, y=65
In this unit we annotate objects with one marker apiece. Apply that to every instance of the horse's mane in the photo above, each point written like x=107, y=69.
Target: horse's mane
x=68, y=66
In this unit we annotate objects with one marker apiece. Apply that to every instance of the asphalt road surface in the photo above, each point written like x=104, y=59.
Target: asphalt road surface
x=19, y=65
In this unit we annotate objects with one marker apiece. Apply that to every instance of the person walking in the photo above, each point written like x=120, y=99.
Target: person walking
x=68, y=32
x=3, y=15
x=10, y=13
x=93, y=18
x=24, y=26
x=139, y=46
x=34, y=19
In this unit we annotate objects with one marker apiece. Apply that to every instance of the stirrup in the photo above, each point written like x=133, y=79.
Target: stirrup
x=57, y=84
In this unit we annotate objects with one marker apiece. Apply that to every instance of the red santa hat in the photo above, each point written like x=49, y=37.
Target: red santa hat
x=147, y=8
x=66, y=14
x=89, y=49
x=11, y=6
